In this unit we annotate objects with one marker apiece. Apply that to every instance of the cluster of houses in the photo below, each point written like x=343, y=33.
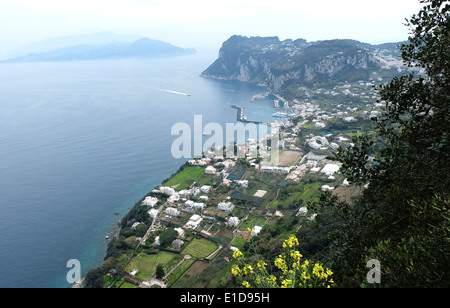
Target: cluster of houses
x=195, y=199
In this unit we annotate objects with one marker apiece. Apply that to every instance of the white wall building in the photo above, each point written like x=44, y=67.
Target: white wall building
x=169, y=191
x=194, y=221
x=233, y=221
x=276, y=170
x=150, y=201
x=153, y=213
x=210, y=170
x=330, y=169
x=226, y=206
x=205, y=189
x=172, y=211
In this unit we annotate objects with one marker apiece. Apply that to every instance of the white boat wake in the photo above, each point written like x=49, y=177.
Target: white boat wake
x=142, y=85
x=173, y=92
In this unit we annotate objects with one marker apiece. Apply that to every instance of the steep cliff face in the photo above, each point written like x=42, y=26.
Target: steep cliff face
x=244, y=59
x=282, y=64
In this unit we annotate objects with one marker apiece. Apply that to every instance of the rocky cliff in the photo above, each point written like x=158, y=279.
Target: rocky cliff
x=282, y=65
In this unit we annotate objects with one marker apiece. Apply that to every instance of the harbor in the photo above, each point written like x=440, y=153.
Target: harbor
x=241, y=117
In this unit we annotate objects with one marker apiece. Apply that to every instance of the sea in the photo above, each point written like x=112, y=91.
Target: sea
x=82, y=142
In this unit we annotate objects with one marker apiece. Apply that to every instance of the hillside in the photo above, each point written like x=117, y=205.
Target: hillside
x=283, y=66
x=142, y=48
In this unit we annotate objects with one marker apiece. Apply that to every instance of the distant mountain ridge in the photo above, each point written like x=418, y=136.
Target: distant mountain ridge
x=141, y=48
x=283, y=66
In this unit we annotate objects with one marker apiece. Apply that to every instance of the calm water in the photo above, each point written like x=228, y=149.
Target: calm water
x=80, y=141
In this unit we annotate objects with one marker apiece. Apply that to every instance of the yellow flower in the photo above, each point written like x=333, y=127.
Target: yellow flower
x=305, y=277
x=305, y=264
x=246, y=284
x=237, y=254
x=235, y=270
x=272, y=280
x=262, y=265
x=280, y=262
x=286, y=283
x=318, y=270
x=258, y=280
x=248, y=269
x=290, y=242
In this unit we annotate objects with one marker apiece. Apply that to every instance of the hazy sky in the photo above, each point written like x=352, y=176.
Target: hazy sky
x=205, y=23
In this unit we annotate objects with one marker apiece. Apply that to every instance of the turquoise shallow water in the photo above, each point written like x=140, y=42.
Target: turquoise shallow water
x=80, y=141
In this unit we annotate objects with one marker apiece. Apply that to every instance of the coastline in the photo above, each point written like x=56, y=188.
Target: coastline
x=275, y=128
x=116, y=229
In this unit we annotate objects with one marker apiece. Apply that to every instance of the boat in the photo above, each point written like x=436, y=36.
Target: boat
x=280, y=115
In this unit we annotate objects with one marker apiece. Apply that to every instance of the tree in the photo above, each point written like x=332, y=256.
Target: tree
x=166, y=237
x=160, y=271
x=94, y=279
x=403, y=218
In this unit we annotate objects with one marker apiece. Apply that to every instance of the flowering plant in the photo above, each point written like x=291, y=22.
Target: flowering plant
x=295, y=273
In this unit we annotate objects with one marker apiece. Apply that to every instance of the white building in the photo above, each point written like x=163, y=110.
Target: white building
x=150, y=201
x=327, y=188
x=342, y=139
x=172, y=211
x=177, y=243
x=330, y=169
x=242, y=183
x=226, y=206
x=174, y=198
x=153, y=213
x=169, y=191
x=203, y=198
x=334, y=146
x=256, y=230
x=198, y=205
x=276, y=170
x=349, y=119
x=134, y=272
x=320, y=125
x=302, y=211
x=186, y=194
x=205, y=189
x=194, y=221
x=210, y=170
x=180, y=231
x=194, y=191
x=233, y=221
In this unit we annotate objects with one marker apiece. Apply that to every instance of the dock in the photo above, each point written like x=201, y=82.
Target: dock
x=240, y=115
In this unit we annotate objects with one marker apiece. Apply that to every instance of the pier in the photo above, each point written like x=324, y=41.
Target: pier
x=240, y=115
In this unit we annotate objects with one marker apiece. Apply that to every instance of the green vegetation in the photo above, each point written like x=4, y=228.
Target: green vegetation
x=147, y=264
x=396, y=209
x=253, y=221
x=200, y=248
x=179, y=271
x=185, y=178
x=402, y=219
